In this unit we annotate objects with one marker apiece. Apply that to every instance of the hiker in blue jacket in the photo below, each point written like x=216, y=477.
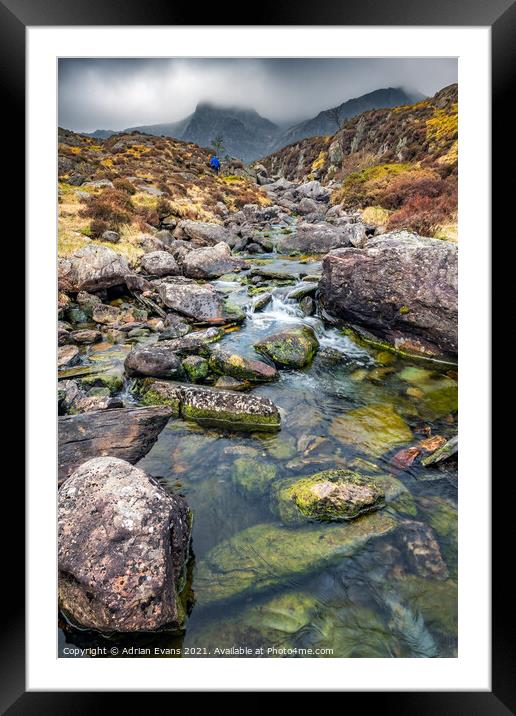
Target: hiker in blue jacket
x=215, y=164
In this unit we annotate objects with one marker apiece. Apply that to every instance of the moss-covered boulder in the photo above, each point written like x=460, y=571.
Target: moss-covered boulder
x=331, y=495
x=196, y=368
x=373, y=429
x=112, y=379
x=269, y=555
x=253, y=477
x=236, y=366
x=217, y=408
x=292, y=348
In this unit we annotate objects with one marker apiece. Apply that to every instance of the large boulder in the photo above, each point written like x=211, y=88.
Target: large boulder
x=123, y=544
x=313, y=190
x=316, y=238
x=219, y=408
x=92, y=268
x=200, y=302
x=211, y=262
x=200, y=233
x=292, y=348
x=126, y=433
x=401, y=286
x=160, y=263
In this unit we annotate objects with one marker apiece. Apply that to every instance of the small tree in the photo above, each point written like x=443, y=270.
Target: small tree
x=218, y=144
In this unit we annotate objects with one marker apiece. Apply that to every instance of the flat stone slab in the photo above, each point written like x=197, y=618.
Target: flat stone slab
x=126, y=433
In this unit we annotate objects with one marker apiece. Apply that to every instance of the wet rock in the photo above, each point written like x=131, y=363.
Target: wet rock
x=200, y=233
x=373, y=429
x=123, y=543
x=401, y=285
x=86, y=336
x=112, y=378
x=421, y=550
x=196, y=368
x=211, y=262
x=253, y=477
x=174, y=326
x=304, y=289
x=268, y=555
x=442, y=453
x=328, y=496
x=307, y=305
x=218, y=408
x=67, y=356
x=160, y=263
x=127, y=433
x=156, y=360
x=92, y=268
x=236, y=366
x=105, y=314
x=293, y=348
x=262, y=300
x=202, y=303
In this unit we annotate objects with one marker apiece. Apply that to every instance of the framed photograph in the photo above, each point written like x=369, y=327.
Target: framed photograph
x=258, y=278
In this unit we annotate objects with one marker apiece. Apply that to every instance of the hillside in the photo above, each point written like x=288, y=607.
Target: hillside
x=248, y=136
x=130, y=183
x=400, y=164
x=329, y=120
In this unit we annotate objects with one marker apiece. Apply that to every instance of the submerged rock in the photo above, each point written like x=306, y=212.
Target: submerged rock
x=328, y=496
x=293, y=347
x=268, y=555
x=236, y=366
x=374, y=429
x=217, y=408
x=399, y=284
x=421, y=550
x=253, y=477
x=123, y=543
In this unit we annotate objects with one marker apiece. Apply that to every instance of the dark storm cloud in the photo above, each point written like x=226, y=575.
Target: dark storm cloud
x=119, y=93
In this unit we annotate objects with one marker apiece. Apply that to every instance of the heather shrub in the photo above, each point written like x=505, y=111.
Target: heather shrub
x=108, y=211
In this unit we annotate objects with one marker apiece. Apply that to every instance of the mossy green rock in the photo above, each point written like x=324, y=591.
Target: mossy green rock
x=373, y=429
x=439, y=392
x=253, y=477
x=268, y=555
x=331, y=495
x=196, y=368
x=435, y=600
x=292, y=348
x=112, y=379
x=236, y=366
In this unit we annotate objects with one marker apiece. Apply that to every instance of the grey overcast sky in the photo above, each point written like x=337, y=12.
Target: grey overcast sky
x=120, y=93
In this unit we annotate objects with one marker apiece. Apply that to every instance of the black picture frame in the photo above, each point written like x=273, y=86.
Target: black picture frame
x=15, y=17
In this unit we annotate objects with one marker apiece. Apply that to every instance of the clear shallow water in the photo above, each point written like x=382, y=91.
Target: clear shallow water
x=372, y=604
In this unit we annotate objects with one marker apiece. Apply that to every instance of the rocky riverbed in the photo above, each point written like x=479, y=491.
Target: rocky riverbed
x=262, y=413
